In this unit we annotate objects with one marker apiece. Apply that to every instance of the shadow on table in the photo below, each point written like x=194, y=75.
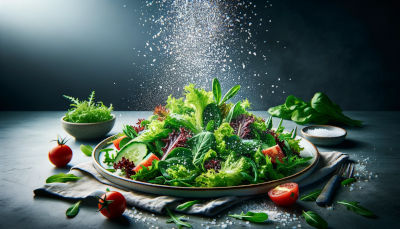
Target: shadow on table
x=350, y=144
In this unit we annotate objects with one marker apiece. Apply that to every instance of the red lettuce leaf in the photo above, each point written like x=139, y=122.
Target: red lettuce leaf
x=175, y=139
x=242, y=125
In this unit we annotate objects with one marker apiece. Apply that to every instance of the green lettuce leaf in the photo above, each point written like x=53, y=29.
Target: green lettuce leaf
x=197, y=99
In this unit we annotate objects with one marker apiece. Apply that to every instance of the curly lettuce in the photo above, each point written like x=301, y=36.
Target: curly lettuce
x=224, y=130
x=154, y=131
x=233, y=172
x=197, y=99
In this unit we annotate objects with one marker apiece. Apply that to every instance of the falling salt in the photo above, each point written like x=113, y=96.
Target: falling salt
x=321, y=132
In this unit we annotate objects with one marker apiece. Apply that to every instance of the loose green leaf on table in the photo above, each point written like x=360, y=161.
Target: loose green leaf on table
x=314, y=220
x=256, y=217
x=187, y=205
x=87, y=150
x=348, y=181
x=177, y=220
x=312, y=196
x=357, y=208
x=62, y=178
x=73, y=210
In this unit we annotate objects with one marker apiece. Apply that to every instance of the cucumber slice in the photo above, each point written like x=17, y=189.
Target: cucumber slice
x=133, y=151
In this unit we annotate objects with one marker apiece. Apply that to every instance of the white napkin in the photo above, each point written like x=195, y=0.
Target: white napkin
x=93, y=184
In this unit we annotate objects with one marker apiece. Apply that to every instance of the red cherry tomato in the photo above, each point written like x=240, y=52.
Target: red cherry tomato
x=117, y=141
x=112, y=204
x=61, y=154
x=146, y=162
x=284, y=194
x=274, y=152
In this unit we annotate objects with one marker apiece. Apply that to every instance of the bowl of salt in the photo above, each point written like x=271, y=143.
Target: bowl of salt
x=324, y=135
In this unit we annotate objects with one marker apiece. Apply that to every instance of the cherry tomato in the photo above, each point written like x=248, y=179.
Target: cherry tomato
x=274, y=152
x=284, y=194
x=147, y=161
x=61, y=154
x=117, y=141
x=112, y=204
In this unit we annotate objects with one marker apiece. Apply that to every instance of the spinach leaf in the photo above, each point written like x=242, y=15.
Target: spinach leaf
x=212, y=114
x=73, y=210
x=314, y=220
x=280, y=111
x=232, y=92
x=200, y=144
x=62, y=178
x=312, y=196
x=187, y=205
x=87, y=150
x=216, y=90
x=348, y=181
x=357, y=208
x=176, y=220
x=256, y=217
x=321, y=103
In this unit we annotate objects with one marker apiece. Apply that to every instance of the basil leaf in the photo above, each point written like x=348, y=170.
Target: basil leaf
x=315, y=220
x=232, y=92
x=73, y=210
x=256, y=217
x=312, y=196
x=348, y=181
x=357, y=208
x=200, y=144
x=177, y=220
x=87, y=150
x=216, y=90
x=62, y=178
x=187, y=205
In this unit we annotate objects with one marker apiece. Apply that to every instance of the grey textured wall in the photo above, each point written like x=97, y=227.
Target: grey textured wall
x=347, y=49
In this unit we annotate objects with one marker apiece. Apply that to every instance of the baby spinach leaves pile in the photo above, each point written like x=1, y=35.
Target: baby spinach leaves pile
x=320, y=110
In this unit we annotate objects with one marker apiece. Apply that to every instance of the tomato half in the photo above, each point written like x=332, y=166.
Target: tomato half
x=147, y=161
x=274, y=152
x=112, y=204
x=60, y=155
x=117, y=141
x=284, y=194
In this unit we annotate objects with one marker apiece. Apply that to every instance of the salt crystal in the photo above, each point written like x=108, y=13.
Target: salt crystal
x=325, y=132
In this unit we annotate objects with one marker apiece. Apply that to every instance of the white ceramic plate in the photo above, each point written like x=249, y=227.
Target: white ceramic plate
x=195, y=192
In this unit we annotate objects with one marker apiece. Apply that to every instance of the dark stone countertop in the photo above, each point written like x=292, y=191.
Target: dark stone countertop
x=25, y=142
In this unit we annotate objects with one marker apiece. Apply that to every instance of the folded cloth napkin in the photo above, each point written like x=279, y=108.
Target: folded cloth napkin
x=93, y=184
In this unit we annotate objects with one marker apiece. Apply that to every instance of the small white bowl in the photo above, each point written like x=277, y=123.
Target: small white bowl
x=324, y=140
x=88, y=130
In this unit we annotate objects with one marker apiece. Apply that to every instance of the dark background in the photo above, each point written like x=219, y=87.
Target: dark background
x=347, y=49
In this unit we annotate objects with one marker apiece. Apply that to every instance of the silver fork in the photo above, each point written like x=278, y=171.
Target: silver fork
x=345, y=171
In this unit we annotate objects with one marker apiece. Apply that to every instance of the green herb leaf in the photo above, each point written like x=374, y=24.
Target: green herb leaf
x=357, y=208
x=73, y=210
x=177, y=220
x=187, y=205
x=216, y=90
x=348, y=181
x=315, y=220
x=232, y=92
x=312, y=196
x=87, y=150
x=108, y=158
x=256, y=217
x=62, y=178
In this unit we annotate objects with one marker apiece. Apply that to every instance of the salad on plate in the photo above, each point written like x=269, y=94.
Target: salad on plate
x=203, y=140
